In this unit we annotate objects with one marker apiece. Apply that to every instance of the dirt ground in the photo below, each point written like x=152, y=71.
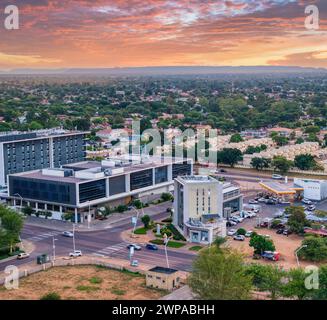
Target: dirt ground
x=285, y=245
x=82, y=283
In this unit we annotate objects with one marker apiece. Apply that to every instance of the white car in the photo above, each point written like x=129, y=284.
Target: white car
x=252, y=201
x=238, y=218
x=252, y=214
x=135, y=246
x=307, y=201
x=23, y=256
x=76, y=253
x=262, y=200
x=68, y=234
x=249, y=234
x=277, y=176
x=231, y=232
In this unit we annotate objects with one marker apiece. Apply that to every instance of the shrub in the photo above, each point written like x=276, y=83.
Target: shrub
x=28, y=211
x=177, y=235
x=121, y=208
x=241, y=231
x=51, y=296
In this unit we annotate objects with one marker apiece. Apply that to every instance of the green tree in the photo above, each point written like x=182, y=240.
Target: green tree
x=295, y=286
x=321, y=293
x=297, y=220
x=315, y=249
x=236, y=138
x=280, y=140
x=260, y=244
x=167, y=196
x=299, y=140
x=220, y=275
x=229, y=156
x=267, y=278
x=146, y=221
x=305, y=161
x=12, y=223
x=260, y=163
x=281, y=164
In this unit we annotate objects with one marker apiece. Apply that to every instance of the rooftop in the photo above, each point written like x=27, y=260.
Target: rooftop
x=10, y=136
x=163, y=270
x=92, y=170
x=201, y=179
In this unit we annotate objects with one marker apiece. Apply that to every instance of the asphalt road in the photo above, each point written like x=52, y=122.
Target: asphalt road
x=103, y=243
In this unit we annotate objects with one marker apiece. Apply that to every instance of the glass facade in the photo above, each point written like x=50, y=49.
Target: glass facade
x=161, y=174
x=117, y=185
x=92, y=190
x=43, y=190
x=181, y=169
x=141, y=179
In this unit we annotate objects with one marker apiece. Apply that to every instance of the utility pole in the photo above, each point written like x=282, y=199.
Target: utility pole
x=54, y=248
x=74, y=237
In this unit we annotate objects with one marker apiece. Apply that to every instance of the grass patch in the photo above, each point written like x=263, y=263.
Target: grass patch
x=131, y=273
x=141, y=231
x=96, y=280
x=87, y=289
x=171, y=244
x=51, y=296
x=117, y=292
x=195, y=248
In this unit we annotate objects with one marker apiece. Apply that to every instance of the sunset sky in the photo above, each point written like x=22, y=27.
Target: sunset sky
x=129, y=33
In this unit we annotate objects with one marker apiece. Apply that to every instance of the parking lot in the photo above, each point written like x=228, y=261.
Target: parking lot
x=285, y=245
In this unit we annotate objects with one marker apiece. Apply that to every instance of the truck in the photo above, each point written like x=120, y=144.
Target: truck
x=271, y=255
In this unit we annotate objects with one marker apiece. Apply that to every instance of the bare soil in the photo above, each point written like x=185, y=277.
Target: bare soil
x=82, y=283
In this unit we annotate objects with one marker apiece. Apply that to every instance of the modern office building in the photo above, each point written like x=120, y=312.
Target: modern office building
x=21, y=152
x=81, y=188
x=201, y=205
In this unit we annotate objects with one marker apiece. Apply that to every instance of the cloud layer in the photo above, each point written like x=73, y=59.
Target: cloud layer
x=117, y=33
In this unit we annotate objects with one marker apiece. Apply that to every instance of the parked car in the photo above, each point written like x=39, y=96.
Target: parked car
x=307, y=201
x=231, y=223
x=231, y=232
x=22, y=256
x=270, y=202
x=270, y=255
x=76, y=253
x=239, y=237
x=238, y=218
x=135, y=246
x=262, y=199
x=264, y=224
x=251, y=214
x=233, y=219
x=287, y=232
x=277, y=176
x=249, y=234
x=151, y=246
x=252, y=201
x=280, y=231
x=68, y=234
x=134, y=263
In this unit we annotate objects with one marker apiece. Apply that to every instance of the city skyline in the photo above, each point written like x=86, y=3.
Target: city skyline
x=102, y=33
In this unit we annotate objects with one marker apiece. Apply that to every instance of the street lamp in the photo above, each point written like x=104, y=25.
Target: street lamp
x=296, y=254
x=54, y=248
x=74, y=237
x=21, y=200
x=166, y=240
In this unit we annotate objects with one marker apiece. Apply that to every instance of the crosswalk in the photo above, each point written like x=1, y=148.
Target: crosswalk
x=43, y=236
x=112, y=249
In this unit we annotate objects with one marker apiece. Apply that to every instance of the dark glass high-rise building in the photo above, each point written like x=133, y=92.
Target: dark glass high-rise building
x=20, y=152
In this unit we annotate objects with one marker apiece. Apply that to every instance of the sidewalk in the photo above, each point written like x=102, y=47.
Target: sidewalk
x=114, y=220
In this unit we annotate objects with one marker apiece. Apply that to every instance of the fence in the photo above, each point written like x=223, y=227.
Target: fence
x=27, y=270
